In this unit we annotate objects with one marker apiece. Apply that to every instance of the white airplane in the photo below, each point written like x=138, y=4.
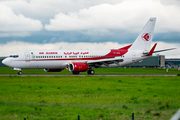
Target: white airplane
x=85, y=60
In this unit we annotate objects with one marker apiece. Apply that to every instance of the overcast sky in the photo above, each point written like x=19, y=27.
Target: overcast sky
x=86, y=24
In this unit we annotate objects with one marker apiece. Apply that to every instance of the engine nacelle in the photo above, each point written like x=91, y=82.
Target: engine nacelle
x=52, y=70
x=78, y=67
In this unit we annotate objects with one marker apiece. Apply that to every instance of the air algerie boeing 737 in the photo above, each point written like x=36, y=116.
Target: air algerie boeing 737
x=86, y=60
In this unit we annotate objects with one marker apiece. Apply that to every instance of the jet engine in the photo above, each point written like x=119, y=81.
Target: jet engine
x=78, y=67
x=52, y=70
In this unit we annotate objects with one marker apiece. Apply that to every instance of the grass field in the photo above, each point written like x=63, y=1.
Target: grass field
x=7, y=70
x=91, y=97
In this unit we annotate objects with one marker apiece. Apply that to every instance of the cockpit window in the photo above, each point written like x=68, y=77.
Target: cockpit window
x=14, y=56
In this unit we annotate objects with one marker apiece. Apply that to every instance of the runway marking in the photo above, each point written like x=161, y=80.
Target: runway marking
x=89, y=75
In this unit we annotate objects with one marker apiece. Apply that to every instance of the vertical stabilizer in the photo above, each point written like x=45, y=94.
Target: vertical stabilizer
x=143, y=41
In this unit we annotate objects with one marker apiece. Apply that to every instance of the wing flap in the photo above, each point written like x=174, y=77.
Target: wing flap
x=105, y=62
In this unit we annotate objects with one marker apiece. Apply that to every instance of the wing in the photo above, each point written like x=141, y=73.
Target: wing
x=105, y=62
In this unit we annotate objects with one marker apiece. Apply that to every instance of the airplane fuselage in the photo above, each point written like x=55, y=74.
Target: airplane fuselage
x=59, y=59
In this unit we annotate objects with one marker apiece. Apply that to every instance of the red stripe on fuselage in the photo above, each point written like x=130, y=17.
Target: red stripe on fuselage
x=112, y=54
x=119, y=52
x=126, y=47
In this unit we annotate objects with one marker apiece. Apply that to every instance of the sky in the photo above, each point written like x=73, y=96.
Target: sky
x=86, y=24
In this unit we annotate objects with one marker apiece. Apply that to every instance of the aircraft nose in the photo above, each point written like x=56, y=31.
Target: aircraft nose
x=5, y=62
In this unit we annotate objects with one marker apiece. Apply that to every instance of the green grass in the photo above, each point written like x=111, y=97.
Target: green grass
x=91, y=97
x=7, y=70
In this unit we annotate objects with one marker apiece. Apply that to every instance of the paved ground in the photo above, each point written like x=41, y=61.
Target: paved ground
x=88, y=75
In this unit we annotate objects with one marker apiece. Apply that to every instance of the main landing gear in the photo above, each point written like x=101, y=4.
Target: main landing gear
x=19, y=73
x=90, y=72
x=75, y=73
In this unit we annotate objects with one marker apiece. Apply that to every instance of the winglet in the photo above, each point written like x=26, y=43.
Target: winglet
x=152, y=50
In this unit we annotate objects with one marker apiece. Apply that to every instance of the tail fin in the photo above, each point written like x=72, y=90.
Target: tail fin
x=143, y=41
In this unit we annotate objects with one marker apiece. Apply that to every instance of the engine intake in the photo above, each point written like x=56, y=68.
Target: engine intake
x=52, y=70
x=78, y=67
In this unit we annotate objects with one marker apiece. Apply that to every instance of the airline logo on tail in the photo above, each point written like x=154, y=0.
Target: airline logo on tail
x=146, y=36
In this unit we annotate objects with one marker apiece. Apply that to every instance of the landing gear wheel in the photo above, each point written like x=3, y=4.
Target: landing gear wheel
x=75, y=73
x=19, y=73
x=90, y=72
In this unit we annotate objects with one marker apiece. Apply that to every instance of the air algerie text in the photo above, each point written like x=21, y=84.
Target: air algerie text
x=48, y=52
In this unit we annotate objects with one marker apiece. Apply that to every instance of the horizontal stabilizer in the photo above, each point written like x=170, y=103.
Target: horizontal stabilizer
x=164, y=50
x=148, y=54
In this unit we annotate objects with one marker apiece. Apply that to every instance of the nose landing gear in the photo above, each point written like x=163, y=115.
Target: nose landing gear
x=17, y=69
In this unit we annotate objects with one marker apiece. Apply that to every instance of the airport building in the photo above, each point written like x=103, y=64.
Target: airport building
x=151, y=62
x=173, y=62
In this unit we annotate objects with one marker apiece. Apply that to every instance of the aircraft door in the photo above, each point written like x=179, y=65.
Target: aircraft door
x=133, y=56
x=27, y=57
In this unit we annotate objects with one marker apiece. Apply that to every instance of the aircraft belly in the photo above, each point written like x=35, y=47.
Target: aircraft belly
x=47, y=64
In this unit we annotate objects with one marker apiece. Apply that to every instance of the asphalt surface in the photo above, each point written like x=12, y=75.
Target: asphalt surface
x=89, y=75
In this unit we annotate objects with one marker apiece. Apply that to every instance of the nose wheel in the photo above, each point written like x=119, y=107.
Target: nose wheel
x=19, y=73
x=90, y=72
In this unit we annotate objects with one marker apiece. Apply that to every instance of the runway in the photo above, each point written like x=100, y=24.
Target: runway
x=25, y=75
